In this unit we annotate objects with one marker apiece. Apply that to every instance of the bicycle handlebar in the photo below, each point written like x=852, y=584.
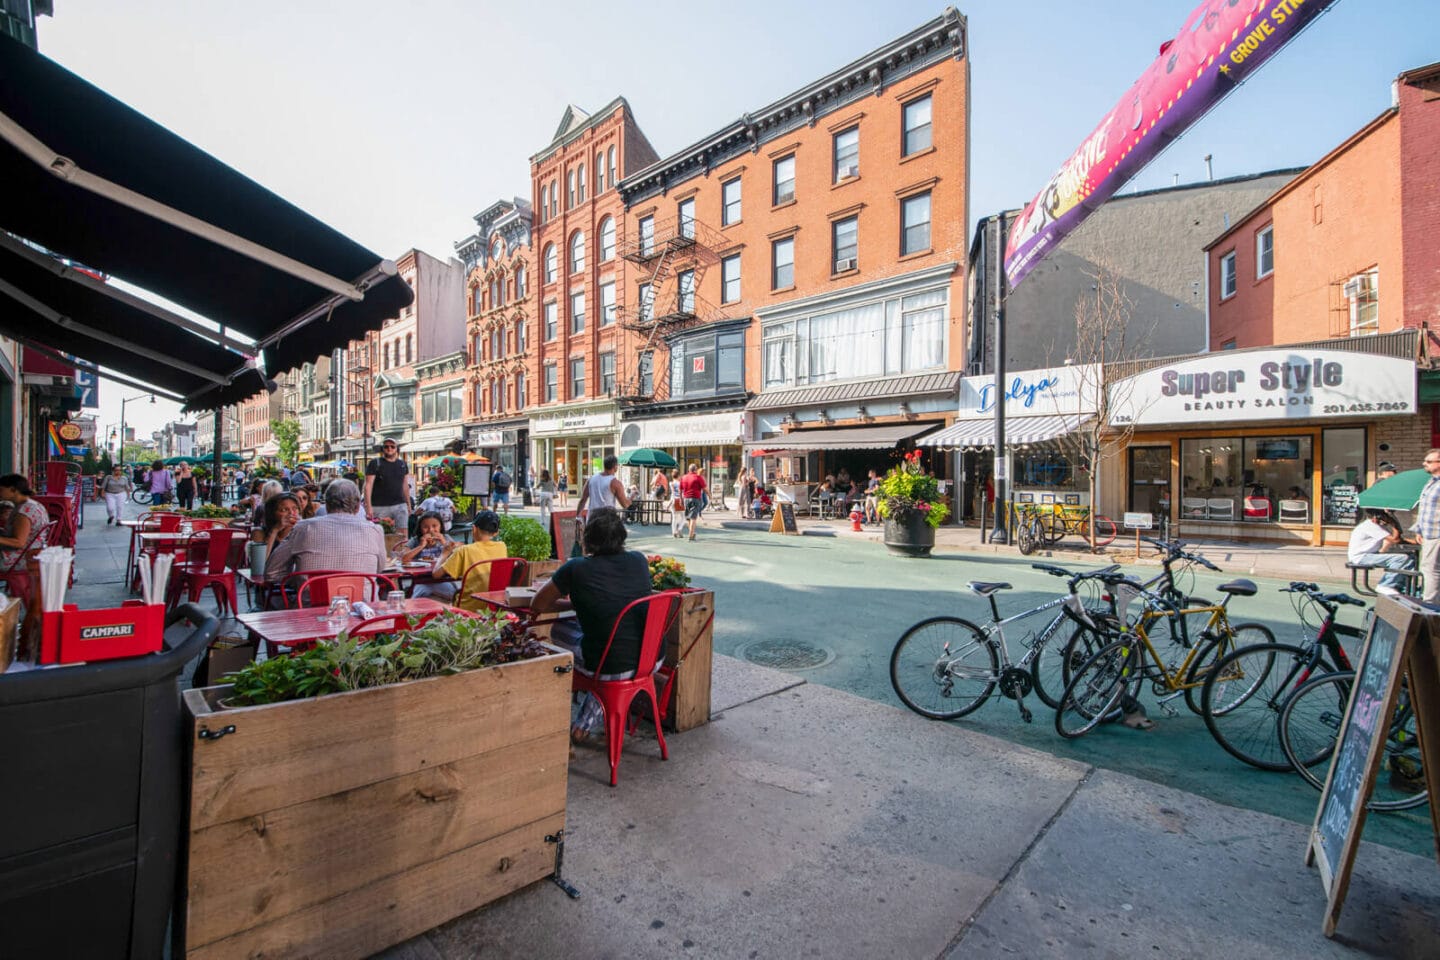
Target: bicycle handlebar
x=1175, y=550
x=1312, y=590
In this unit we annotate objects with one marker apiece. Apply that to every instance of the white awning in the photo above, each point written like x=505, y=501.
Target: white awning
x=981, y=433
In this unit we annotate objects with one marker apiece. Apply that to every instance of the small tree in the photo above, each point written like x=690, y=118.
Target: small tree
x=106, y=465
x=287, y=437
x=88, y=463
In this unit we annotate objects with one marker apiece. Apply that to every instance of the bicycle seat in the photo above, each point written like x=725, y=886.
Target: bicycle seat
x=1238, y=588
x=983, y=589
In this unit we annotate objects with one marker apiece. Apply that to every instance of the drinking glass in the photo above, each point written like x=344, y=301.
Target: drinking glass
x=396, y=600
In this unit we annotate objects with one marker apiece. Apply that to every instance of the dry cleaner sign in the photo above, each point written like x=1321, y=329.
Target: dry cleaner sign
x=1265, y=385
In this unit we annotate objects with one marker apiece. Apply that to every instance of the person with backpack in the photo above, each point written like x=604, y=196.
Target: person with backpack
x=500, y=487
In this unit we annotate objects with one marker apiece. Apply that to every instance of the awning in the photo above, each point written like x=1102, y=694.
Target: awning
x=981, y=432
x=842, y=438
x=93, y=181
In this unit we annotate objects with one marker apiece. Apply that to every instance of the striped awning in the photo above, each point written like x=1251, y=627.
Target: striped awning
x=981, y=433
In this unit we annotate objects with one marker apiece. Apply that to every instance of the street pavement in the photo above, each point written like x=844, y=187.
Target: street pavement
x=815, y=817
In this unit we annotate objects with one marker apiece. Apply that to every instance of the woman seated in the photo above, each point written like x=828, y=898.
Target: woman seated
x=599, y=585
x=429, y=545
x=27, y=517
x=268, y=491
x=461, y=557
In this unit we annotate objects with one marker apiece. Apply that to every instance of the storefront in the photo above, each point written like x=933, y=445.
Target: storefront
x=574, y=442
x=1263, y=444
x=506, y=444
x=712, y=440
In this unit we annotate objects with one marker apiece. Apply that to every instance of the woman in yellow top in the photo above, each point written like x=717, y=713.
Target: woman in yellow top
x=456, y=562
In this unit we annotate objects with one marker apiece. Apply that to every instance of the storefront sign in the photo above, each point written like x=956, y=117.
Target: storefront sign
x=1034, y=393
x=1342, y=504
x=573, y=423
x=1266, y=385
x=702, y=430
x=486, y=438
x=1139, y=521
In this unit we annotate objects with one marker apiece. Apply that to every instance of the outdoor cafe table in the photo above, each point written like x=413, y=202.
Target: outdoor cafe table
x=286, y=628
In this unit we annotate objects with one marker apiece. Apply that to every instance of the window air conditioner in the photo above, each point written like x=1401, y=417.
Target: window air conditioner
x=842, y=265
x=851, y=171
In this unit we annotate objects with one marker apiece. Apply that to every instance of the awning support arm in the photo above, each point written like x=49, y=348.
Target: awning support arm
x=89, y=367
x=66, y=169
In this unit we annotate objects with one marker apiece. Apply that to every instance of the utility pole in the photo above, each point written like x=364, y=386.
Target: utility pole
x=1001, y=480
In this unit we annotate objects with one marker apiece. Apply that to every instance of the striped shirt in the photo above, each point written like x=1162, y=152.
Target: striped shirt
x=1427, y=519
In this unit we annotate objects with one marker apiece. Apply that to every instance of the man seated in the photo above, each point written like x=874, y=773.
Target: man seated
x=485, y=547
x=1375, y=541
x=340, y=540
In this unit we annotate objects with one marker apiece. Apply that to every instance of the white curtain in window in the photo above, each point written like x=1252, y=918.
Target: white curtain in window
x=779, y=356
x=847, y=343
x=922, y=319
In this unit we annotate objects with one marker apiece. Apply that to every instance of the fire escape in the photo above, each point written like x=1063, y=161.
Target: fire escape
x=672, y=259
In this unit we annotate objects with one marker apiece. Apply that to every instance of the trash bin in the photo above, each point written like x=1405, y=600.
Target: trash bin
x=93, y=810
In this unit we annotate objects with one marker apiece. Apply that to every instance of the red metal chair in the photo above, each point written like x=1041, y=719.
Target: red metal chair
x=390, y=623
x=207, y=566
x=503, y=572
x=157, y=521
x=16, y=574
x=318, y=588
x=616, y=696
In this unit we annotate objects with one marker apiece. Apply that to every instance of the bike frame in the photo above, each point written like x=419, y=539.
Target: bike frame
x=1159, y=609
x=1074, y=608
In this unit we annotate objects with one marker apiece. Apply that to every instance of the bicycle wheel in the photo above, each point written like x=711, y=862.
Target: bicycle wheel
x=1052, y=528
x=1027, y=535
x=1213, y=650
x=1096, y=689
x=140, y=496
x=1104, y=531
x=1242, y=697
x=1053, y=666
x=943, y=668
x=1310, y=722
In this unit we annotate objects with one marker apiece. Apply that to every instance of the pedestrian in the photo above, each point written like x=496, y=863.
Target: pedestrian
x=562, y=484
x=116, y=488
x=692, y=489
x=872, y=498
x=744, y=492
x=1427, y=525
x=677, y=505
x=604, y=489
x=545, y=498
x=185, y=486
x=388, y=491
x=1374, y=542
x=162, y=484
x=500, y=485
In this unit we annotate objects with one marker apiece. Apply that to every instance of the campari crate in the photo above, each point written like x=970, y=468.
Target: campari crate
x=73, y=635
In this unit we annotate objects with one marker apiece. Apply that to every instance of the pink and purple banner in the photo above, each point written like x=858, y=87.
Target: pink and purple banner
x=1221, y=43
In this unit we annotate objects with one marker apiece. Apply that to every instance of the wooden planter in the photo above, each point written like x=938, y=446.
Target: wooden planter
x=691, y=636
x=341, y=825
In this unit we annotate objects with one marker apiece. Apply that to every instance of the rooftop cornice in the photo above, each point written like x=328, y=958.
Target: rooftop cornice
x=594, y=120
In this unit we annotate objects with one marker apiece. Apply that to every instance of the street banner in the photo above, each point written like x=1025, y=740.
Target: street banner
x=1221, y=43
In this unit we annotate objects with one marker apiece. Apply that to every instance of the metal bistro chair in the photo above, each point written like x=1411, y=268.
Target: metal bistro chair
x=207, y=566
x=1220, y=508
x=1193, y=508
x=1294, y=511
x=503, y=572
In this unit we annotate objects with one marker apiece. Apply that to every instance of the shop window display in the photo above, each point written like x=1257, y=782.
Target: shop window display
x=1250, y=479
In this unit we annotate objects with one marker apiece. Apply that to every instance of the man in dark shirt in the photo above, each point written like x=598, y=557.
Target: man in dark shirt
x=500, y=482
x=387, y=487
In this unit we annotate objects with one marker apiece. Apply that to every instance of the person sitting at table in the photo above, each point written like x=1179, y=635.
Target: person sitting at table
x=281, y=515
x=317, y=503
x=28, y=516
x=484, y=547
x=301, y=494
x=341, y=540
x=270, y=488
x=599, y=585
x=429, y=545
x=1375, y=541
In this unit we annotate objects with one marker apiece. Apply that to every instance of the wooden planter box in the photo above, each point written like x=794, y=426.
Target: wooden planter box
x=341, y=825
x=691, y=636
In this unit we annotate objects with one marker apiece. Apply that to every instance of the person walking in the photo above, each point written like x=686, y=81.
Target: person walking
x=545, y=498
x=605, y=489
x=677, y=505
x=500, y=483
x=744, y=492
x=388, y=490
x=1427, y=525
x=162, y=484
x=116, y=488
x=692, y=489
x=562, y=482
x=185, y=486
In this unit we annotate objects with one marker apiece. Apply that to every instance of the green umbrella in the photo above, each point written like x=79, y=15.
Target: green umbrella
x=1400, y=492
x=443, y=461
x=647, y=457
x=176, y=461
x=229, y=457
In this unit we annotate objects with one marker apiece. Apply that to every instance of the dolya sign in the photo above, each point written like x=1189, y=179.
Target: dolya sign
x=1266, y=385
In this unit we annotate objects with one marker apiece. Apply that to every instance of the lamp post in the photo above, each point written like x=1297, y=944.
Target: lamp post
x=123, y=403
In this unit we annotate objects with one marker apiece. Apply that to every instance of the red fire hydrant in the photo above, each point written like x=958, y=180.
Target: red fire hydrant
x=856, y=515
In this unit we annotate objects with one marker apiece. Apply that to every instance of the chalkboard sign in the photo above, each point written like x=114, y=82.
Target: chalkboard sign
x=476, y=482
x=784, y=519
x=1335, y=836
x=564, y=532
x=1342, y=504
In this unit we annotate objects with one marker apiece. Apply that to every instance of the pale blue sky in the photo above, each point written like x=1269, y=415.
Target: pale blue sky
x=397, y=122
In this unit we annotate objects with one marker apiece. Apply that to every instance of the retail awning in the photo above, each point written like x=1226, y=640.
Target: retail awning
x=981, y=433
x=842, y=438
x=97, y=183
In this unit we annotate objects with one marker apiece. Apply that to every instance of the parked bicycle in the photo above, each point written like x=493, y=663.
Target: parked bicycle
x=141, y=495
x=1242, y=698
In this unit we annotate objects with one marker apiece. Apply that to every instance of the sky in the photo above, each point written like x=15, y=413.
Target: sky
x=397, y=122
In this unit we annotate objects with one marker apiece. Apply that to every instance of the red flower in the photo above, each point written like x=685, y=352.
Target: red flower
x=336, y=671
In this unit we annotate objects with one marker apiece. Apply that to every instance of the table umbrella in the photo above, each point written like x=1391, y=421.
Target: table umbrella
x=647, y=457
x=1400, y=492
x=176, y=461
x=446, y=460
x=230, y=457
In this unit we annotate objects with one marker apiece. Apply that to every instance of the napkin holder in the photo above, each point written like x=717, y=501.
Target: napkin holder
x=519, y=596
x=73, y=635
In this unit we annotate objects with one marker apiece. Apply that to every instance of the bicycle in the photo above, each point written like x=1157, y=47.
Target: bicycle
x=140, y=496
x=1029, y=534
x=1062, y=520
x=935, y=662
x=1123, y=664
x=1243, y=696
x=1309, y=725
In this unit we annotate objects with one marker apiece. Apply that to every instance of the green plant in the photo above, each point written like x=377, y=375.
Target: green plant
x=209, y=511
x=264, y=471
x=524, y=538
x=287, y=438
x=667, y=573
x=907, y=491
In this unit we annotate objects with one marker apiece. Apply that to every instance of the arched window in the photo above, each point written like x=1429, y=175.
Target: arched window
x=409, y=343
x=396, y=353
x=519, y=283
x=612, y=166
x=552, y=263
x=477, y=348
x=607, y=239
x=496, y=249
x=599, y=173
x=385, y=365
x=577, y=252
x=580, y=182
x=554, y=198
x=570, y=190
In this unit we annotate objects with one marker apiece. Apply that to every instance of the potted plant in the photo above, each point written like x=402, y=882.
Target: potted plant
x=667, y=573
x=524, y=538
x=909, y=502
x=397, y=782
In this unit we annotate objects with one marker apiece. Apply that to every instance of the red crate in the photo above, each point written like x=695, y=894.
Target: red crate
x=73, y=635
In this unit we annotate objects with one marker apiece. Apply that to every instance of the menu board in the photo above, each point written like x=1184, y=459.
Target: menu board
x=1342, y=504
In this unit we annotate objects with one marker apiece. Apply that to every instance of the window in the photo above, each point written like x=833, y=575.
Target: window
x=495, y=394
x=577, y=377
x=647, y=236
x=554, y=198
x=580, y=183
x=782, y=259
x=552, y=263
x=570, y=190
x=610, y=155
x=645, y=370
x=520, y=397
x=607, y=239
x=708, y=364
x=599, y=173
x=607, y=303
x=577, y=312
x=646, y=299
x=915, y=224
x=497, y=342
x=476, y=301
x=444, y=404
x=478, y=399
x=1237, y=480
x=917, y=127
x=577, y=252
x=551, y=383
x=520, y=337
x=607, y=374
x=845, y=238
x=552, y=326
x=685, y=218
x=1265, y=252
x=497, y=292
x=730, y=202
x=730, y=279
x=1342, y=473
x=847, y=154
x=1227, y=275
x=519, y=283
x=685, y=291
x=477, y=346
x=784, y=180
x=1362, y=291
x=497, y=249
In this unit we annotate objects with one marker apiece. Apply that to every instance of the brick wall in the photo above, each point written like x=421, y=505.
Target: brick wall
x=1420, y=194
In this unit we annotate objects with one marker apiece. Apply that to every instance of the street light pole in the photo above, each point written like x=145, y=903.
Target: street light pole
x=125, y=401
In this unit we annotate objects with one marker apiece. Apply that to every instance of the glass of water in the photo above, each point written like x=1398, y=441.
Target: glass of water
x=396, y=601
x=339, y=613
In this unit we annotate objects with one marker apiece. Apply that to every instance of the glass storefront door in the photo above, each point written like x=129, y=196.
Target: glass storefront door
x=1150, y=482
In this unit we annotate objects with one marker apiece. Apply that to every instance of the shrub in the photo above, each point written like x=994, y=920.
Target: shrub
x=524, y=538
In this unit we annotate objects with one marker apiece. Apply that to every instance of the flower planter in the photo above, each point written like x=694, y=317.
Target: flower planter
x=910, y=537
x=340, y=825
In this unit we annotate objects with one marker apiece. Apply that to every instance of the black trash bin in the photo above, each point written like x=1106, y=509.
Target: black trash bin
x=92, y=809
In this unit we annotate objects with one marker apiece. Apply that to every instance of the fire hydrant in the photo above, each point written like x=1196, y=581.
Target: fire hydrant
x=856, y=515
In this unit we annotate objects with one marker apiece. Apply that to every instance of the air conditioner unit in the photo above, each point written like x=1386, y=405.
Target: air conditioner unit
x=842, y=265
x=851, y=171
x=785, y=197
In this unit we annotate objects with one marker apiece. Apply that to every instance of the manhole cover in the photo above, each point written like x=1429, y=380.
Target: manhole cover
x=787, y=654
